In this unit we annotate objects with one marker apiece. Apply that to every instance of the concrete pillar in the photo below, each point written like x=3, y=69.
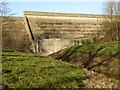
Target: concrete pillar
x=40, y=45
x=36, y=47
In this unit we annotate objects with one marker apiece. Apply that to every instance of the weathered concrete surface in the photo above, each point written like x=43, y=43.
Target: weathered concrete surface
x=46, y=27
x=54, y=45
x=50, y=32
x=14, y=36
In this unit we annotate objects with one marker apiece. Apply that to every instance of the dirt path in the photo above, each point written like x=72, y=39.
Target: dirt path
x=96, y=80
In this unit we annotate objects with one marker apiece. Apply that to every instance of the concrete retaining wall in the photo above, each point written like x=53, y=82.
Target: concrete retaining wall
x=55, y=45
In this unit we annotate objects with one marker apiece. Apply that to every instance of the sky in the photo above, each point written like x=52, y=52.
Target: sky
x=65, y=7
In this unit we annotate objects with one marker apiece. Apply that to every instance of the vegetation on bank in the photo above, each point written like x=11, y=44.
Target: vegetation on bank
x=106, y=48
x=26, y=70
x=102, y=58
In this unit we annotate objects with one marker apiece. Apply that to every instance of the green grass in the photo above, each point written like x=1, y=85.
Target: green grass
x=26, y=70
x=106, y=48
x=78, y=55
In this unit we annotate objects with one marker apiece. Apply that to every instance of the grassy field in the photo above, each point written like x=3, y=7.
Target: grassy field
x=26, y=70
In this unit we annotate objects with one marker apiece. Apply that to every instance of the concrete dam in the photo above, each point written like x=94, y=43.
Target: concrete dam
x=46, y=32
x=51, y=32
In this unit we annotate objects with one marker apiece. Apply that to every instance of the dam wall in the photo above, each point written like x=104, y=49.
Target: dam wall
x=48, y=32
x=61, y=25
x=14, y=36
x=54, y=31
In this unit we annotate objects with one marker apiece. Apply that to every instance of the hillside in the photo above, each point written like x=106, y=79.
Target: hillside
x=26, y=70
x=102, y=58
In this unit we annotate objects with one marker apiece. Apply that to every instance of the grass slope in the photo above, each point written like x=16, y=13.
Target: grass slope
x=26, y=70
x=111, y=48
x=102, y=60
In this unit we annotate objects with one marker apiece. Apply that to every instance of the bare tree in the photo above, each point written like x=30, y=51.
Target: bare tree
x=119, y=8
x=4, y=10
x=5, y=14
x=111, y=21
x=7, y=23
